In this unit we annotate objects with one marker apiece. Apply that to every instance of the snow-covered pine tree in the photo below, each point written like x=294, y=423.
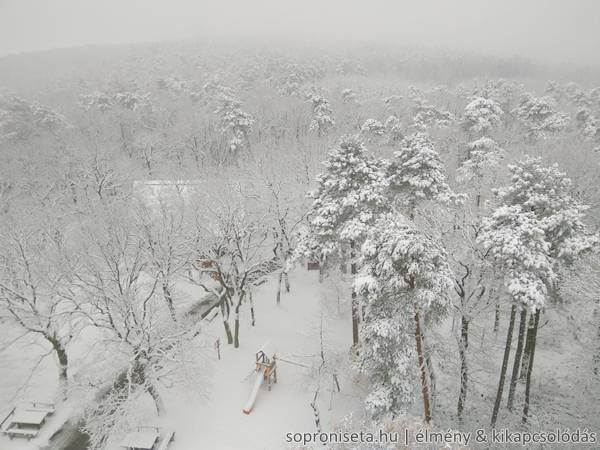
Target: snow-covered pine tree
x=372, y=127
x=350, y=193
x=483, y=156
x=481, y=116
x=516, y=242
x=404, y=275
x=349, y=196
x=348, y=96
x=96, y=100
x=537, y=227
x=426, y=115
x=235, y=123
x=133, y=101
x=548, y=193
x=538, y=116
x=416, y=173
x=505, y=93
x=394, y=129
x=588, y=124
x=322, y=115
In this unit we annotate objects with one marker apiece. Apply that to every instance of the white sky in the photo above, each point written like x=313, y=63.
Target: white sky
x=554, y=30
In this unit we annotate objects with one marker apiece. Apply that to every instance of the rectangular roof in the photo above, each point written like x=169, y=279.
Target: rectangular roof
x=29, y=417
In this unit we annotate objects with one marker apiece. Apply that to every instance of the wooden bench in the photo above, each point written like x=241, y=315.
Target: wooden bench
x=46, y=407
x=21, y=432
x=167, y=437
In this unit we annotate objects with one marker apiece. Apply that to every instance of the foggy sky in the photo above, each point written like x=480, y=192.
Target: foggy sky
x=546, y=30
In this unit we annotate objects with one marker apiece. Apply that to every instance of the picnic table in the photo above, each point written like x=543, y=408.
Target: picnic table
x=26, y=422
x=141, y=439
x=29, y=418
x=148, y=438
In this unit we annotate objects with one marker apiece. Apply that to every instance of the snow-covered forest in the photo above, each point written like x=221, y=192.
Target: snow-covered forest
x=161, y=206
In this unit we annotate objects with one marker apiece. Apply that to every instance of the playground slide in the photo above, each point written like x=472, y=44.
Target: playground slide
x=257, y=384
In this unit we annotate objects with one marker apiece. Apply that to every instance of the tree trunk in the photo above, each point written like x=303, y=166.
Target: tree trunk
x=253, y=321
x=169, y=299
x=430, y=371
x=148, y=159
x=228, y=332
x=195, y=150
x=528, y=349
x=511, y=326
x=343, y=265
x=354, y=301
x=597, y=352
x=124, y=140
x=286, y=280
x=158, y=402
x=279, y=287
x=497, y=316
x=73, y=192
x=322, y=263
x=236, y=336
x=596, y=356
x=421, y=360
x=464, y=374
x=63, y=365
x=344, y=262
x=355, y=338
x=530, y=367
x=517, y=362
x=226, y=321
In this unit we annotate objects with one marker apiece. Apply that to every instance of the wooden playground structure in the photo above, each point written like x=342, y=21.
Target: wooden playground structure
x=266, y=372
x=269, y=367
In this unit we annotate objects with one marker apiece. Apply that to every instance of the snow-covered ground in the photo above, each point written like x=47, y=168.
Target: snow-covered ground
x=209, y=415
x=16, y=365
x=292, y=330
x=27, y=375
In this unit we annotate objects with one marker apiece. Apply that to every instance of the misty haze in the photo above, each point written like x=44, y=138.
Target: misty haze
x=272, y=225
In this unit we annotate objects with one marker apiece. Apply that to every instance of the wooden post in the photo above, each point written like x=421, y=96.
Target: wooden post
x=218, y=347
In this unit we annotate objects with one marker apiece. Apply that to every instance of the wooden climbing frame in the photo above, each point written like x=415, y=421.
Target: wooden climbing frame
x=270, y=367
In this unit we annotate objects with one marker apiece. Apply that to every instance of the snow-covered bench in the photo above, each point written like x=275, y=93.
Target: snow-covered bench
x=167, y=437
x=27, y=422
x=148, y=438
x=21, y=432
x=45, y=407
